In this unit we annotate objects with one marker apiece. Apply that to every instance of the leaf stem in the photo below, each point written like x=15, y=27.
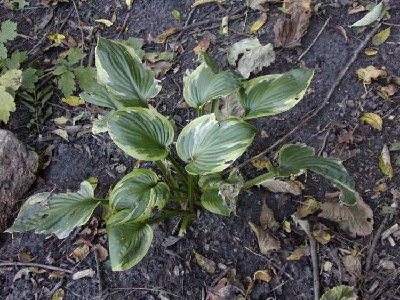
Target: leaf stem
x=200, y=111
x=178, y=169
x=258, y=180
x=191, y=191
x=214, y=106
x=167, y=176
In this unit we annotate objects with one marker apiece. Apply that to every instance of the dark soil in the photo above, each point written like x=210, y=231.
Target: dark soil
x=169, y=271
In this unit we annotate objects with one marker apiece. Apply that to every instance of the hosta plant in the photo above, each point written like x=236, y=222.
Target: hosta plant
x=192, y=165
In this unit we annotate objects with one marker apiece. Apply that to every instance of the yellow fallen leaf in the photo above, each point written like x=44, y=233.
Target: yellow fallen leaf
x=61, y=120
x=200, y=2
x=322, y=236
x=309, y=207
x=259, y=23
x=73, y=101
x=381, y=37
x=381, y=187
x=58, y=295
x=262, y=275
x=105, y=22
x=260, y=162
x=287, y=226
x=357, y=9
x=202, y=46
x=370, y=52
x=205, y=263
x=370, y=73
x=372, y=119
x=129, y=3
x=167, y=33
x=384, y=162
x=57, y=38
x=299, y=252
x=80, y=253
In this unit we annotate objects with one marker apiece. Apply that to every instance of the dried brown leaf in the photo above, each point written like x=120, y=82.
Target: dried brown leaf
x=163, y=36
x=299, y=252
x=267, y=218
x=282, y=186
x=356, y=220
x=352, y=265
x=80, y=253
x=266, y=241
x=202, y=46
x=262, y=275
x=309, y=207
x=370, y=73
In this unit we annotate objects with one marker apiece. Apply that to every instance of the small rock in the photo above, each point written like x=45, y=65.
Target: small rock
x=17, y=173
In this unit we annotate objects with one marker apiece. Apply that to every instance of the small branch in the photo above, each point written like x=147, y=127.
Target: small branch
x=96, y=256
x=328, y=96
x=48, y=267
x=375, y=243
x=80, y=28
x=123, y=27
x=189, y=18
x=314, y=260
x=315, y=40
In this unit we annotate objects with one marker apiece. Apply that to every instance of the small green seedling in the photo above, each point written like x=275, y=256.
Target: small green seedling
x=191, y=165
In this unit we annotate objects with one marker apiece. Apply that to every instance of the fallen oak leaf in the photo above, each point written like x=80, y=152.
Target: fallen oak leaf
x=266, y=241
x=372, y=119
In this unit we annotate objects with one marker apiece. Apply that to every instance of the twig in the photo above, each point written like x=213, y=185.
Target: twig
x=314, y=260
x=391, y=111
x=116, y=290
x=375, y=243
x=189, y=18
x=49, y=267
x=96, y=256
x=328, y=96
x=315, y=40
x=80, y=27
x=270, y=262
x=123, y=27
x=328, y=133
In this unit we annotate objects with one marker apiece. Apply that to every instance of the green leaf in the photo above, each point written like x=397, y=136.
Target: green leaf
x=66, y=83
x=75, y=55
x=14, y=62
x=48, y=213
x=274, y=94
x=341, y=292
x=86, y=77
x=121, y=70
x=374, y=15
x=138, y=193
x=210, y=146
x=294, y=159
x=203, y=85
x=7, y=104
x=128, y=243
x=101, y=97
x=29, y=78
x=381, y=37
x=136, y=44
x=99, y=125
x=176, y=14
x=8, y=32
x=141, y=132
x=11, y=79
x=213, y=202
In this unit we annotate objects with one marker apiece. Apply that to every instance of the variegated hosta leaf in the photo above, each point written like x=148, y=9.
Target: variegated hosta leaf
x=203, y=85
x=138, y=193
x=128, y=243
x=213, y=202
x=210, y=146
x=99, y=125
x=48, y=213
x=101, y=97
x=274, y=94
x=295, y=159
x=122, y=71
x=141, y=132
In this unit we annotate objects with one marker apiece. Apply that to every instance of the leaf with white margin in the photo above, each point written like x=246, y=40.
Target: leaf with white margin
x=210, y=146
x=255, y=56
x=294, y=159
x=48, y=213
x=128, y=243
x=203, y=85
x=139, y=193
x=142, y=133
x=121, y=70
x=213, y=202
x=274, y=94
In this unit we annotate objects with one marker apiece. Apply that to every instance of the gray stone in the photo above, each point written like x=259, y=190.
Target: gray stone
x=18, y=167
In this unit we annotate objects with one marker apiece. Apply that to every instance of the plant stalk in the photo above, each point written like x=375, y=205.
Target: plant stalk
x=178, y=169
x=191, y=192
x=170, y=214
x=167, y=176
x=258, y=180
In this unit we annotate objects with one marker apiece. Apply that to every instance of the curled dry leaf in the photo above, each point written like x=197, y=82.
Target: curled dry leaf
x=260, y=162
x=384, y=162
x=288, y=32
x=83, y=274
x=299, y=252
x=356, y=220
x=80, y=253
x=202, y=46
x=266, y=241
x=227, y=288
x=352, y=265
x=282, y=186
x=103, y=253
x=322, y=236
x=255, y=56
x=259, y=23
x=205, y=263
x=381, y=37
x=370, y=73
x=385, y=92
x=163, y=36
x=309, y=207
x=372, y=119
x=262, y=275
x=267, y=218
